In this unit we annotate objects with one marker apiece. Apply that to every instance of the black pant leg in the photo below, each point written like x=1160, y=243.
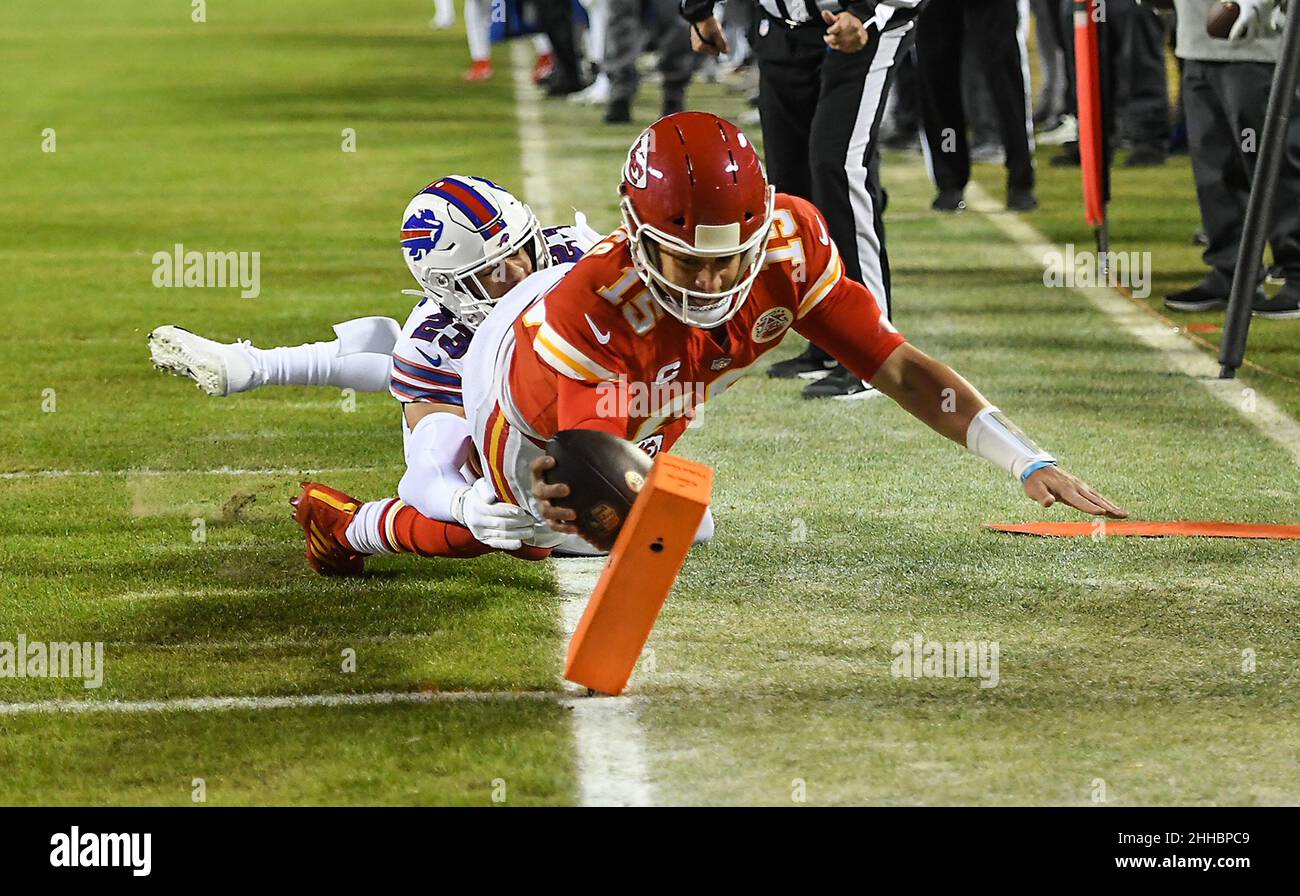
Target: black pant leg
x=1146, y=114
x=1245, y=87
x=845, y=171
x=1001, y=35
x=938, y=57
x=556, y=19
x=789, y=79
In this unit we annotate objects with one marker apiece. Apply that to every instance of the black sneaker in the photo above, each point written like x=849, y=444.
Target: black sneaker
x=841, y=385
x=1021, y=200
x=1146, y=157
x=1283, y=306
x=949, y=201
x=1205, y=298
x=1198, y=298
x=618, y=112
x=559, y=85
x=672, y=105
x=1275, y=275
x=1068, y=157
x=812, y=363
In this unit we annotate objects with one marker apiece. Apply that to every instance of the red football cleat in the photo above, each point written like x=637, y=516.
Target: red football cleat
x=543, y=67
x=324, y=514
x=480, y=70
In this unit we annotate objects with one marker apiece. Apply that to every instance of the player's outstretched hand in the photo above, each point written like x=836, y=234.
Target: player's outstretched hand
x=560, y=518
x=1051, y=484
x=707, y=38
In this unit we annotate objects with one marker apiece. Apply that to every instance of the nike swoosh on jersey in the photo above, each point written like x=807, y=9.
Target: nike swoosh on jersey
x=436, y=362
x=602, y=338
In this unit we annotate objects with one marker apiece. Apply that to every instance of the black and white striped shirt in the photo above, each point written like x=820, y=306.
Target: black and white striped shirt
x=799, y=12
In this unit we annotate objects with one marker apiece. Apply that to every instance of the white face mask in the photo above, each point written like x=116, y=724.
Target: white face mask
x=694, y=307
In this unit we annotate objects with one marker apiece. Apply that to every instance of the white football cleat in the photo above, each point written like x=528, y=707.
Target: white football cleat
x=219, y=368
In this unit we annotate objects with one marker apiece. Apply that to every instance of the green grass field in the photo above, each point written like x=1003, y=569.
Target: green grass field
x=145, y=515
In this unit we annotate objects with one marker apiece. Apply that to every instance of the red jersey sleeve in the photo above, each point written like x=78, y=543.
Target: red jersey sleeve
x=581, y=405
x=838, y=314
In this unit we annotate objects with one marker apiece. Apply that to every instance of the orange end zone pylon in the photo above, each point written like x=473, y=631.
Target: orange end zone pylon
x=1087, y=13
x=640, y=572
x=1151, y=530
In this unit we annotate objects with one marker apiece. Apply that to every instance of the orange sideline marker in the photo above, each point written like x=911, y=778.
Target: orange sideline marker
x=639, y=574
x=1175, y=529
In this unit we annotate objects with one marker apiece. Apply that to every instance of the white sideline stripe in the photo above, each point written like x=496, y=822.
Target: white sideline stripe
x=612, y=767
x=1182, y=355
x=218, y=471
x=215, y=704
x=607, y=732
x=534, y=157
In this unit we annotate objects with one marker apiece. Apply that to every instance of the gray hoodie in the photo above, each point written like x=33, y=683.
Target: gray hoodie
x=1194, y=43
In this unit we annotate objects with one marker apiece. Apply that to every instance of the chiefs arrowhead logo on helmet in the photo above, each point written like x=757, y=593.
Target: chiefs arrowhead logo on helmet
x=635, y=173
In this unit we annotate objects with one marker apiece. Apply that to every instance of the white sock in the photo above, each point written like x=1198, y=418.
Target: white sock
x=364, y=533
x=541, y=45
x=478, y=28
x=598, y=15
x=320, y=364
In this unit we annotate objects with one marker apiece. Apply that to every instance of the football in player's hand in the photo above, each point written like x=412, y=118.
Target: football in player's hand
x=1221, y=18
x=604, y=474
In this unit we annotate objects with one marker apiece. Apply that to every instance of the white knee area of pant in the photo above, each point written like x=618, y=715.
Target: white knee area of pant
x=704, y=534
x=436, y=450
x=377, y=335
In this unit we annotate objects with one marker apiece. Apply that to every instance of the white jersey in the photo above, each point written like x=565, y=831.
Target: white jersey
x=429, y=357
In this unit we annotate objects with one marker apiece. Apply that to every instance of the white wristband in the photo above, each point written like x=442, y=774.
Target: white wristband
x=458, y=504
x=996, y=439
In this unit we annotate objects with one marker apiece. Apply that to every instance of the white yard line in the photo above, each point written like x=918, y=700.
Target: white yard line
x=607, y=731
x=1178, y=353
x=610, y=740
x=214, y=704
x=534, y=155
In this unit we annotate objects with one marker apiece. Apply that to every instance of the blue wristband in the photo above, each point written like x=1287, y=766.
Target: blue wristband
x=1035, y=467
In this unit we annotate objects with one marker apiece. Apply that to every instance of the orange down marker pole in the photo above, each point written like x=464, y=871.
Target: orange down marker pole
x=640, y=572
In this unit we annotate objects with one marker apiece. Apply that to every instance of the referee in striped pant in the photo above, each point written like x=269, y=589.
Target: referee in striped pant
x=825, y=68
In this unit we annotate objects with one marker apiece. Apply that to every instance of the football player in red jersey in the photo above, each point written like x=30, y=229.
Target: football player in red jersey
x=709, y=271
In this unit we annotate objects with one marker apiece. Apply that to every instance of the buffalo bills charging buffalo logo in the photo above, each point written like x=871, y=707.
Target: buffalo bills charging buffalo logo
x=420, y=234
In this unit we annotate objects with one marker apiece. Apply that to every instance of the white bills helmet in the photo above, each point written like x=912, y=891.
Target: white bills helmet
x=458, y=228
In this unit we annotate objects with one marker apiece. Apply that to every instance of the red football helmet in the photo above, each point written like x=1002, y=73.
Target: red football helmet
x=694, y=185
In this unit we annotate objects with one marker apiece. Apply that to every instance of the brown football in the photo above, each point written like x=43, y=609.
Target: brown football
x=1221, y=18
x=604, y=474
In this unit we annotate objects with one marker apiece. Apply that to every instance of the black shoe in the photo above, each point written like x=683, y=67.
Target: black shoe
x=1199, y=238
x=1275, y=275
x=618, y=112
x=1283, y=306
x=1213, y=296
x=1021, y=199
x=672, y=105
x=841, y=385
x=811, y=363
x=1146, y=157
x=1198, y=298
x=1067, y=158
x=949, y=201
x=560, y=86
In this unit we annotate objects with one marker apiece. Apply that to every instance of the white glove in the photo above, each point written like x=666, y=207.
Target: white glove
x=493, y=522
x=1252, y=21
x=1278, y=20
